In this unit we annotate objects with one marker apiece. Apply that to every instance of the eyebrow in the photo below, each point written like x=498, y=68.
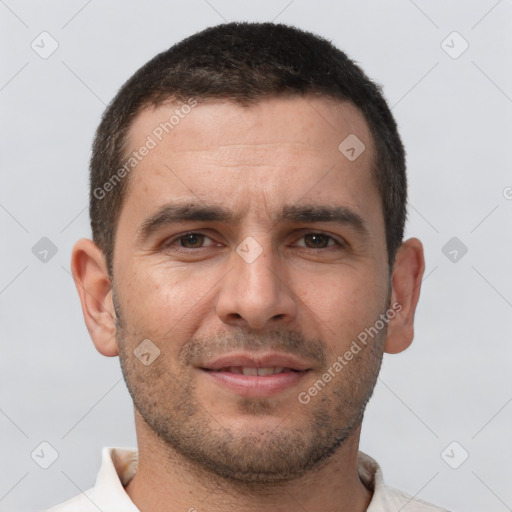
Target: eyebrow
x=173, y=213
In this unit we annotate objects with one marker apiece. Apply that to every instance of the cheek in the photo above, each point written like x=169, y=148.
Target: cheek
x=344, y=305
x=164, y=304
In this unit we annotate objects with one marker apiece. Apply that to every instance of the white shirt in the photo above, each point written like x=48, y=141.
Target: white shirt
x=120, y=464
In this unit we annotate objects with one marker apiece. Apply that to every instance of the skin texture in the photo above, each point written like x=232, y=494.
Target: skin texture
x=201, y=444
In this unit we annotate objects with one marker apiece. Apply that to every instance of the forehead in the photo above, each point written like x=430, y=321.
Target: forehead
x=256, y=158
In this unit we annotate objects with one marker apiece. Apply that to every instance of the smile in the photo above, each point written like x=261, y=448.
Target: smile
x=249, y=370
x=255, y=374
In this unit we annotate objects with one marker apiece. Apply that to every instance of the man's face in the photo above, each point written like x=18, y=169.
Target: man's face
x=265, y=279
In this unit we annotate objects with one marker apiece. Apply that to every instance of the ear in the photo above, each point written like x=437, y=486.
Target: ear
x=94, y=287
x=406, y=283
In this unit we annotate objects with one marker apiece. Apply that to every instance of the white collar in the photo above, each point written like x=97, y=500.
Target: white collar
x=119, y=466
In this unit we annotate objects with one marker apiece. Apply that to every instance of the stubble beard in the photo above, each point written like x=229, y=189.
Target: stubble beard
x=256, y=456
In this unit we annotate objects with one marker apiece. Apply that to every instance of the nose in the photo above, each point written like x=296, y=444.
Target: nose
x=255, y=294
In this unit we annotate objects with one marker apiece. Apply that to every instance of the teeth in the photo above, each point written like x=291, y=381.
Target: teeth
x=266, y=371
x=247, y=370
x=271, y=370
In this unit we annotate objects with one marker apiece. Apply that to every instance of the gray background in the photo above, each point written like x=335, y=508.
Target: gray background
x=453, y=384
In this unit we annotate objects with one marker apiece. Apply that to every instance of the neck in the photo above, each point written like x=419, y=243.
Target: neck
x=166, y=481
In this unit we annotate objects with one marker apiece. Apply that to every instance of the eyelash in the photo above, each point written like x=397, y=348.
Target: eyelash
x=168, y=244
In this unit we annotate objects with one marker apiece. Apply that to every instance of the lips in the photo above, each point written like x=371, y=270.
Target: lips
x=256, y=375
x=256, y=360
x=250, y=370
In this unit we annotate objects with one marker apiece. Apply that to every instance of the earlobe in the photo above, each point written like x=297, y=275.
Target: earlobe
x=406, y=283
x=94, y=288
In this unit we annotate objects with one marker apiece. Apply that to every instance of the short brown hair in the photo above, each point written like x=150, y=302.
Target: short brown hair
x=245, y=62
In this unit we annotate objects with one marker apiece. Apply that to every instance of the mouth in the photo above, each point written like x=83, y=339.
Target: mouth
x=256, y=375
x=254, y=371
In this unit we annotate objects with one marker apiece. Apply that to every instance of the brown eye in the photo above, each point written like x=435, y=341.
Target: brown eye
x=317, y=240
x=192, y=240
